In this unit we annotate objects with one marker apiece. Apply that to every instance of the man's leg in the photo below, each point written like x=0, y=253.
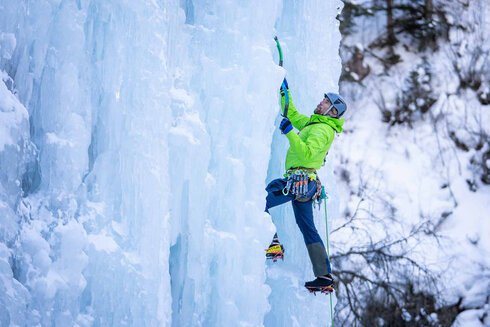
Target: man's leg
x=275, y=195
x=274, y=198
x=303, y=212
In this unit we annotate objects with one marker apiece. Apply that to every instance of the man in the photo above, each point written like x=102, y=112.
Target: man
x=306, y=154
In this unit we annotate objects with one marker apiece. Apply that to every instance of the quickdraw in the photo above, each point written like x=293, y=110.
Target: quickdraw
x=320, y=194
x=286, y=189
x=297, y=183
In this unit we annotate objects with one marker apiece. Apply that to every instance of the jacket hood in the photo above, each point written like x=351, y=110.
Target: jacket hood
x=335, y=123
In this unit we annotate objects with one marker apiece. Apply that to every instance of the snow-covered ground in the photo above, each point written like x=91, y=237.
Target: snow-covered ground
x=135, y=146
x=408, y=176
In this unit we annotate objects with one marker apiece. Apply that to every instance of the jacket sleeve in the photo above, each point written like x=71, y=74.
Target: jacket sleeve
x=318, y=142
x=298, y=120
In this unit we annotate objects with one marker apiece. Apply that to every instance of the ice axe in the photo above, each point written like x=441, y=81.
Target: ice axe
x=284, y=86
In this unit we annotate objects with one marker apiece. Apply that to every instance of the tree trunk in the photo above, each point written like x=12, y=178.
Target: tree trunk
x=429, y=8
x=389, y=23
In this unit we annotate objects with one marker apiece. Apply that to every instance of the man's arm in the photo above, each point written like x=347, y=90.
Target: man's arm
x=298, y=120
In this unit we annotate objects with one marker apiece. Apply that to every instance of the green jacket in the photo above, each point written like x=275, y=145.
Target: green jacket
x=309, y=147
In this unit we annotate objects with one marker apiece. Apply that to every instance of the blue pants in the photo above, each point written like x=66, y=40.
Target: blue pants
x=303, y=212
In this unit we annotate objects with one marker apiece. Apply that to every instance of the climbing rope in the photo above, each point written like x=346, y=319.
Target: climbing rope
x=325, y=197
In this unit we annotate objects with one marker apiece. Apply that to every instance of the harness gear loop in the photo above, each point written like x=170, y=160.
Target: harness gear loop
x=298, y=179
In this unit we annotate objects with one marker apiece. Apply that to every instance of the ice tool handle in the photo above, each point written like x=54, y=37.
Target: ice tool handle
x=284, y=85
x=279, y=49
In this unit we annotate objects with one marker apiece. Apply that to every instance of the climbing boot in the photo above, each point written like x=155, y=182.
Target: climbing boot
x=323, y=284
x=275, y=250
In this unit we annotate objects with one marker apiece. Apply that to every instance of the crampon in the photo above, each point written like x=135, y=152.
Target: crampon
x=275, y=252
x=323, y=289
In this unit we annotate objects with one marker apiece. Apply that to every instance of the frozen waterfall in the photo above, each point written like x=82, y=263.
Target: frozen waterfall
x=136, y=140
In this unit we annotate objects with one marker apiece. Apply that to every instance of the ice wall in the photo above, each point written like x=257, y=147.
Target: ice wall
x=135, y=144
x=310, y=39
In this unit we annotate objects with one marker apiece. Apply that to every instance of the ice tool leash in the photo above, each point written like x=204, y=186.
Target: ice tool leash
x=284, y=86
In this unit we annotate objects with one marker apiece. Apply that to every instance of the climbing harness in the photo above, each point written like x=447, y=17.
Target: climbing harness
x=297, y=183
x=297, y=180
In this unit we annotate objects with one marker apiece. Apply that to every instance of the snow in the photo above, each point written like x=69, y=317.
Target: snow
x=419, y=170
x=406, y=316
x=136, y=140
x=470, y=318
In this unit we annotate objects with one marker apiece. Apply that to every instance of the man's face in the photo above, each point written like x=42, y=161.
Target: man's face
x=323, y=106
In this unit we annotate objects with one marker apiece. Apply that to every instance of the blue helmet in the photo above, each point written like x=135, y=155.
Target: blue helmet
x=338, y=102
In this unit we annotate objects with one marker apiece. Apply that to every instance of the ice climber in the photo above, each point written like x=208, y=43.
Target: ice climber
x=306, y=154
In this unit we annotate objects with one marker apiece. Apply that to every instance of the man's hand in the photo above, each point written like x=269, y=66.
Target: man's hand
x=285, y=126
x=284, y=83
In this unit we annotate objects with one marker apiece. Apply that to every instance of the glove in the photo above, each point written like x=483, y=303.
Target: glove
x=284, y=83
x=285, y=126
